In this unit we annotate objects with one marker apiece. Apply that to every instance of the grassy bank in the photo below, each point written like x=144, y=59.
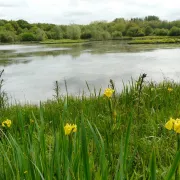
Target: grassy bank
x=132, y=40
x=63, y=41
x=120, y=137
x=155, y=40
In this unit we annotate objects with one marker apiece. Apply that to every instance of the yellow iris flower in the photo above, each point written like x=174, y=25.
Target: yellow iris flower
x=173, y=124
x=177, y=126
x=108, y=92
x=170, y=89
x=170, y=124
x=68, y=128
x=6, y=123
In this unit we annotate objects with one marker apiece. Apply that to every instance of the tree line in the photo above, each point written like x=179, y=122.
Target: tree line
x=21, y=30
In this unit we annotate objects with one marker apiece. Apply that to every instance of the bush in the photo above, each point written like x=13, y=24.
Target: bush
x=117, y=34
x=135, y=32
x=73, y=32
x=7, y=37
x=161, y=32
x=86, y=35
x=27, y=36
x=174, y=31
x=148, y=30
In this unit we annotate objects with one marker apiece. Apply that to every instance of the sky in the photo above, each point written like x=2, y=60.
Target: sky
x=86, y=11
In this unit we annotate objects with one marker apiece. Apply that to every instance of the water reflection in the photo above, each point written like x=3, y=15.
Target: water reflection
x=10, y=54
x=31, y=70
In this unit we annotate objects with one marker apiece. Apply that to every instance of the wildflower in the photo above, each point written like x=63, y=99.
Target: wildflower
x=173, y=124
x=7, y=123
x=169, y=125
x=68, y=128
x=74, y=128
x=177, y=126
x=170, y=89
x=108, y=92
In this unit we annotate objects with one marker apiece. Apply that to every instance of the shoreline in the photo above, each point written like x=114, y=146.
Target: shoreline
x=128, y=40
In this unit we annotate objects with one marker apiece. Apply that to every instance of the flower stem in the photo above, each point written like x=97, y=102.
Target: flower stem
x=177, y=174
x=70, y=147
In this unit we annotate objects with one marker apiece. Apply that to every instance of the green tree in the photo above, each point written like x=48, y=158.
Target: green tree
x=39, y=34
x=174, y=31
x=23, y=24
x=57, y=32
x=133, y=31
x=116, y=34
x=86, y=35
x=140, y=32
x=14, y=25
x=73, y=32
x=148, y=30
x=9, y=27
x=2, y=22
x=161, y=32
x=152, y=18
x=7, y=37
x=106, y=35
x=27, y=36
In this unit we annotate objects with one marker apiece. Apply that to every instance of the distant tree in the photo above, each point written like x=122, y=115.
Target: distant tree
x=2, y=22
x=151, y=18
x=23, y=24
x=117, y=27
x=19, y=30
x=140, y=32
x=27, y=36
x=119, y=20
x=117, y=34
x=57, y=32
x=148, y=30
x=73, y=32
x=7, y=37
x=97, y=30
x=100, y=35
x=86, y=35
x=165, y=25
x=136, y=19
x=39, y=34
x=176, y=23
x=14, y=25
x=174, y=31
x=133, y=31
x=105, y=35
x=9, y=27
x=161, y=32
x=96, y=34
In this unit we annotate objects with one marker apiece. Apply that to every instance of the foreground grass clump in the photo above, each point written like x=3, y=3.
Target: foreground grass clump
x=114, y=136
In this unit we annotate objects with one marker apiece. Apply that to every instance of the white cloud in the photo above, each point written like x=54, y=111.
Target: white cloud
x=85, y=11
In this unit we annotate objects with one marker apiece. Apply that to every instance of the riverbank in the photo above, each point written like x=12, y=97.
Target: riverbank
x=128, y=40
x=155, y=40
x=63, y=41
x=115, y=136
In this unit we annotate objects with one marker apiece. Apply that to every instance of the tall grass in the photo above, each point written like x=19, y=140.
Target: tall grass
x=122, y=137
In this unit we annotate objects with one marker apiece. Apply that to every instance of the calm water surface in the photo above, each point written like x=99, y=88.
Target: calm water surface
x=31, y=70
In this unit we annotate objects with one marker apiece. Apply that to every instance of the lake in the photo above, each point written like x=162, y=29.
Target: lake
x=31, y=70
